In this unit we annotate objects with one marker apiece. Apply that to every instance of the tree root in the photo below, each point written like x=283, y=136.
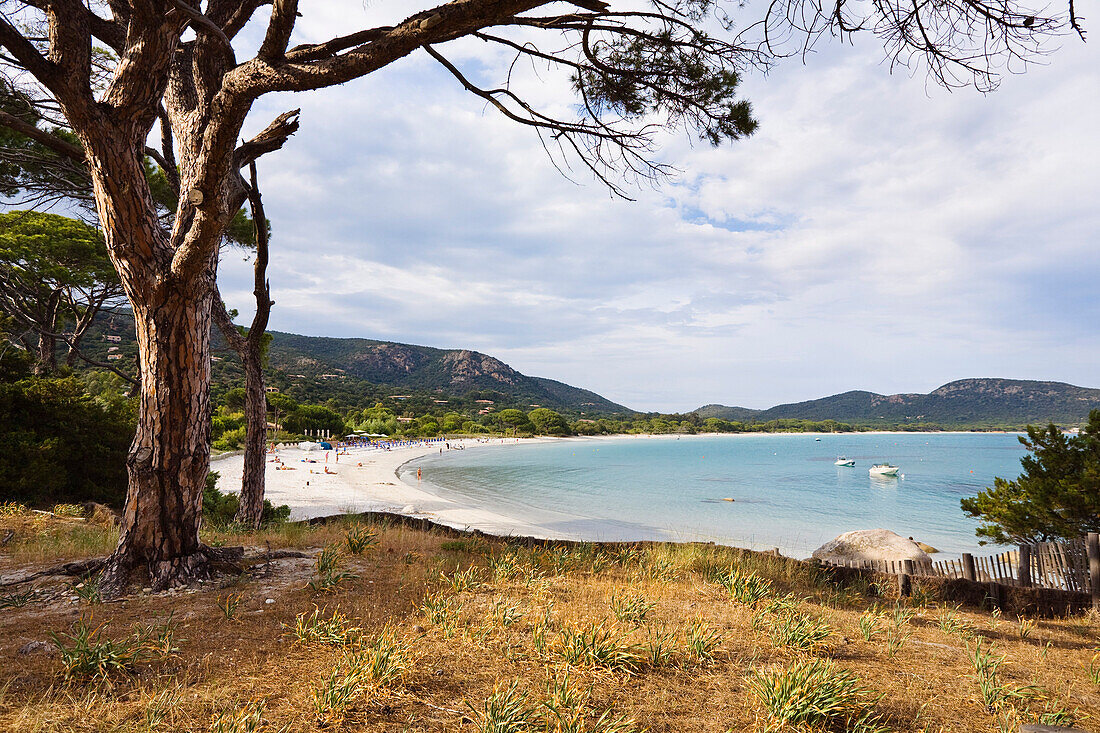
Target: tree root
x=164, y=574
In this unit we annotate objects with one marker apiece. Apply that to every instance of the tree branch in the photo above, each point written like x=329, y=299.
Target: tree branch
x=56, y=144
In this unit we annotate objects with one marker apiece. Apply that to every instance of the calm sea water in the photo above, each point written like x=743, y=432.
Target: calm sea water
x=787, y=492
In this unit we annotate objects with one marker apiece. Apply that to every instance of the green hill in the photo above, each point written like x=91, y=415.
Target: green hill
x=725, y=412
x=967, y=403
x=359, y=372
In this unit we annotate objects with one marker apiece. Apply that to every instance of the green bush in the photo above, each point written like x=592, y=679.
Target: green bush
x=59, y=445
x=219, y=509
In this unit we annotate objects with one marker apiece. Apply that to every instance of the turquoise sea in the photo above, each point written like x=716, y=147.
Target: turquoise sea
x=787, y=492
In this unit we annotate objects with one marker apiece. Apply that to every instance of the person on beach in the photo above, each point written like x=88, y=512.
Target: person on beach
x=418, y=474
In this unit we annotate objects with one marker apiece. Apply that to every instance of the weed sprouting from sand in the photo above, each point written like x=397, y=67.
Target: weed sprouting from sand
x=69, y=511
x=506, y=614
x=1026, y=626
x=702, y=641
x=87, y=653
x=247, y=718
x=817, y=695
x=88, y=590
x=566, y=710
x=660, y=646
x=16, y=599
x=659, y=568
x=370, y=668
x=1093, y=669
x=469, y=579
x=799, y=631
x=359, y=539
x=384, y=660
x=595, y=645
x=229, y=604
x=507, y=710
x=441, y=609
x=949, y=622
x=335, y=630
x=630, y=606
x=746, y=588
x=995, y=694
x=329, y=577
x=870, y=624
x=12, y=509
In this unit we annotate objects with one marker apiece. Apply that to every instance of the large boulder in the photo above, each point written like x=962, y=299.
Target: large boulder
x=870, y=544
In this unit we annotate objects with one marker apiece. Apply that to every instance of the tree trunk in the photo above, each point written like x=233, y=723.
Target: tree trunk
x=251, y=508
x=170, y=455
x=45, y=360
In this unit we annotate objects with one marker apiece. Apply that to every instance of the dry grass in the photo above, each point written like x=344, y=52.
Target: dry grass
x=554, y=637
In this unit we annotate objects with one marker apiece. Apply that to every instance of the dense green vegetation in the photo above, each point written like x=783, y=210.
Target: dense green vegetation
x=63, y=438
x=1056, y=497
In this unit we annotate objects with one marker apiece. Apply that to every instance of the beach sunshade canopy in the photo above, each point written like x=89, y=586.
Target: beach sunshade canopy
x=306, y=445
x=326, y=446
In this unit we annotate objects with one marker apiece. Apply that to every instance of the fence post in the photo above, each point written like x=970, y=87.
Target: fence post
x=969, y=572
x=904, y=581
x=1092, y=542
x=1025, y=566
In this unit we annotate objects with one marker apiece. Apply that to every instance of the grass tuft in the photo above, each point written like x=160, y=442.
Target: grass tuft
x=815, y=694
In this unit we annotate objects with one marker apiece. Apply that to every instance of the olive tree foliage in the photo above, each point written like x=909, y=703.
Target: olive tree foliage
x=173, y=81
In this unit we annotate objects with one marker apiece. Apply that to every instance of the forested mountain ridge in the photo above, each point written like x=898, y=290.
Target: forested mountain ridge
x=987, y=402
x=360, y=371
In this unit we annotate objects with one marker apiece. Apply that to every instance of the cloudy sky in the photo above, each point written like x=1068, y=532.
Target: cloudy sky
x=877, y=232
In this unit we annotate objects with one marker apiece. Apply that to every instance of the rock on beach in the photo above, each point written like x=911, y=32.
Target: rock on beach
x=870, y=544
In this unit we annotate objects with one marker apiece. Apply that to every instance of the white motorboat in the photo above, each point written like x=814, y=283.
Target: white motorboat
x=884, y=469
x=842, y=461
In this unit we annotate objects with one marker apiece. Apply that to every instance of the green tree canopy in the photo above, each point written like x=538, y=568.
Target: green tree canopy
x=55, y=275
x=1056, y=497
x=314, y=418
x=548, y=422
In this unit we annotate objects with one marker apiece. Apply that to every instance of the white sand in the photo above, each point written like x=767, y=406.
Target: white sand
x=372, y=486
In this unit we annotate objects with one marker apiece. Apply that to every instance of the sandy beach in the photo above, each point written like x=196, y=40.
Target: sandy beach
x=365, y=479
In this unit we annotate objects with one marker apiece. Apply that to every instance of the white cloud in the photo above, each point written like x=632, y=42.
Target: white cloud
x=875, y=233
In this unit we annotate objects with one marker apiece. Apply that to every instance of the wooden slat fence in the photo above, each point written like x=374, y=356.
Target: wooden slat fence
x=1072, y=565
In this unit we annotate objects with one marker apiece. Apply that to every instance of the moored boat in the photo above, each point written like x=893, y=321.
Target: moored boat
x=846, y=462
x=883, y=469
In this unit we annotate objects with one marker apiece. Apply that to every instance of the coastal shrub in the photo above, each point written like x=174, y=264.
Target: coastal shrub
x=815, y=694
x=58, y=444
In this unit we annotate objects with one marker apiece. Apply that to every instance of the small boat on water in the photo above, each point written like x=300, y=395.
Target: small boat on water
x=842, y=461
x=883, y=469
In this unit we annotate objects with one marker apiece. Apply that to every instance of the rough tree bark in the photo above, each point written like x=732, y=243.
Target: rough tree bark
x=250, y=350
